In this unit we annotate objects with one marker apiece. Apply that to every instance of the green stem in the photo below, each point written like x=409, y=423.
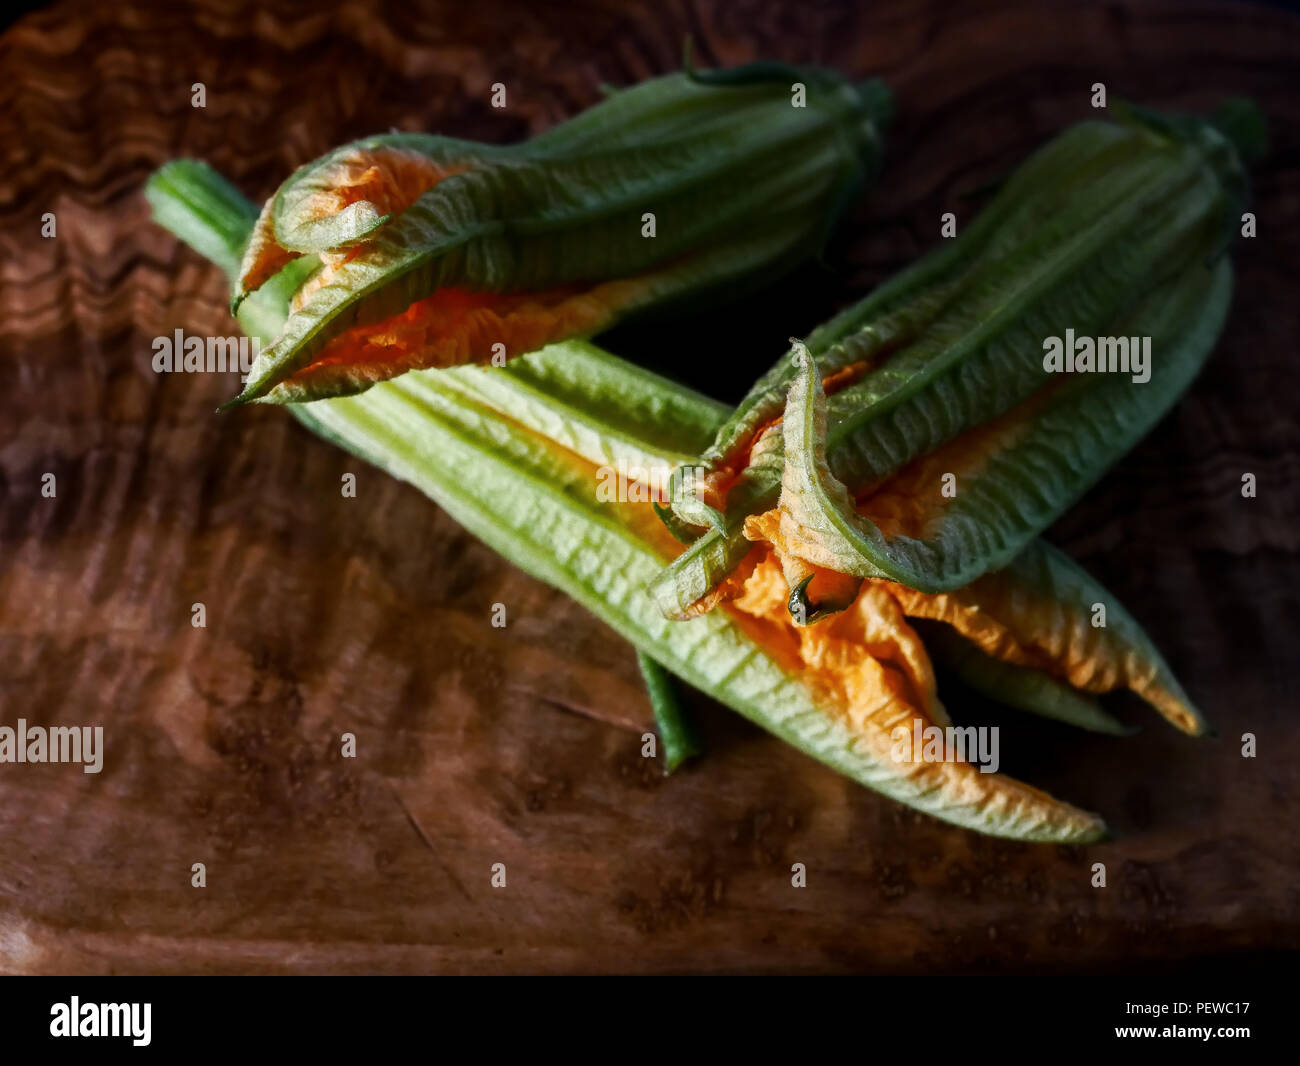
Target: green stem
x=675, y=731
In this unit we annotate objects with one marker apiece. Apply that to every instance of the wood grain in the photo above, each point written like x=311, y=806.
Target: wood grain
x=480, y=745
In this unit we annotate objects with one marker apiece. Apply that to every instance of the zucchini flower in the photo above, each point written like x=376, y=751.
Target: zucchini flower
x=415, y=251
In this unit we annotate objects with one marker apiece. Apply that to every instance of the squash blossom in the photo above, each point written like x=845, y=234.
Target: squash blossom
x=824, y=564
x=920, y=441
x=427, y=251
x=513, y=455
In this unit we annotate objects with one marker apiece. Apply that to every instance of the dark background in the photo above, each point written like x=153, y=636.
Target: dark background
x=521, y=746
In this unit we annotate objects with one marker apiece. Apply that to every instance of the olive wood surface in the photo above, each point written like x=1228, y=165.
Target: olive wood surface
x=478, y=745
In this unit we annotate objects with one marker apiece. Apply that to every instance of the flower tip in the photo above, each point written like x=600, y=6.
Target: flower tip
x=800, y=354
x=247, y=396
x=1189, y=719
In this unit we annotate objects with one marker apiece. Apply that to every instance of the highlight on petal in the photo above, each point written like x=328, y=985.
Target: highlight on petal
x=816, y=517
x=702, y=576
x=344, y=198
x=356, y=189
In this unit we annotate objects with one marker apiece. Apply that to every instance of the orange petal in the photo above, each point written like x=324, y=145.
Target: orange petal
x=1039, y=612
x=263, y=258
x=911, y=503
x=452, y=327
x=867, y=661
x=820, y=589
x=390, y=179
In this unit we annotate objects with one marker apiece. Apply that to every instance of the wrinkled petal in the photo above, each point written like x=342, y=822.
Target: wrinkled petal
x=867, y=667
x=343, y=198
x=1041, y=612
x=1024, y=688
x=1035, y=612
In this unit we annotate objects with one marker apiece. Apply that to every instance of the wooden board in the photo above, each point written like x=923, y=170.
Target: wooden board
x=371, y=615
